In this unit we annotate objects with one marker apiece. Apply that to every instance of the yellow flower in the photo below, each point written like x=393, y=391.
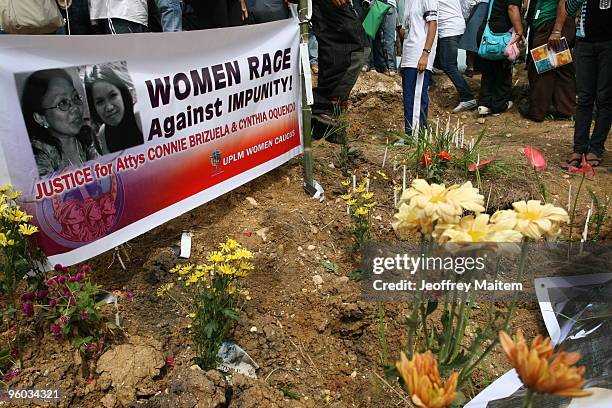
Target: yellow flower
x=361, y=211
x=163, y=289
x=14, y=195
x=27, y=229
x=477, y=229
x=346, y=196
x=410, y=218
x=231, y=289
x=242, y=253
x=246, y=266
x=383, y=175
x=5, y=188
x=535, y=220
x=229, y=245
x=216, y=257
x=5, y=240
x=191, y=315
x=351, y=202
x=440, y=203
x=423, y=383
x=226, y=269
x=541, y=370
x=367, y=196
x=346, y=183
x=371, y=205
x=360, y=189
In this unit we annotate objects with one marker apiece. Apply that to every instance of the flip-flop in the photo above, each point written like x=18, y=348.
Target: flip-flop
x=573, y=161
x=593, y=159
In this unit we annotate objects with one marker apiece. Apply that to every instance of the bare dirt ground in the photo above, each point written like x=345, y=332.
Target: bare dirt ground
x=306, y=326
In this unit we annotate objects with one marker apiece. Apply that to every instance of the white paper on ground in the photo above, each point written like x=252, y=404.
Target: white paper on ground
x=235, y=359
x=185, y=245
x=600, y=399
x=503, y=387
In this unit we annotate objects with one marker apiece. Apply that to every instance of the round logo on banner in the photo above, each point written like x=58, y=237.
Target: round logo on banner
x=84, y=214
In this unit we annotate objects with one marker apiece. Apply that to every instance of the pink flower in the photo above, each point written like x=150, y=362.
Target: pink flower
x=61, y=280
x=28, y=309
x=72, y=279
x=42, y=294
x=480, y=165
x=26, y=296
x=585, y=167
x=129, y=295
x=55, y=329
x=58, y=267
x=71, y=302
x=52, y=303
x=79, y=276
x=86, y=268
x=14, y=352
x=10, y=375
x=170, y=361
x=51, y=281
x=534, y=158
x=90, y=348
x=84, y=316
x=64, y=320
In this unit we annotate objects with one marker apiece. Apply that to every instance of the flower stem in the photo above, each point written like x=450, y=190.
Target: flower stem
x=573, y=215
x=528, y=401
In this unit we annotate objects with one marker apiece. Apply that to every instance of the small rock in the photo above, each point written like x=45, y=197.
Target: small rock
x=262, y=233
x=300, y=249
x=252, y=201
x=317, y=280
x=566, y=176
x=311, y=247
x=342, y=280
x=313, y=229
x=108, y=401
x=508, y=135
x=253, y=329
x=463, y=116
x=331, y=166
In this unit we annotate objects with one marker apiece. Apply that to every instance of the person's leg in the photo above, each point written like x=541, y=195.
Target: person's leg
x=234, y=13
x=541, y=86
x=121, y=26
x=389, y=26
x=424, y=98
x=564, y=93
x=409, y=77
x=586, y=86
x=264, y=11
x=603, y=98
x=448, y=50
x=486, y=84
x=502, y=86
x=340, y=54
x=378, y=60
x=313, y=49
x=80, y=24
x=171, y=14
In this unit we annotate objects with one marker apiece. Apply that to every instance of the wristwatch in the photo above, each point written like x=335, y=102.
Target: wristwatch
x=427, y=50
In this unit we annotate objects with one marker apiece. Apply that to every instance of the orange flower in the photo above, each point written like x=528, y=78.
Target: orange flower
x=542, y=370
x=444, y=155
x=422, y=379
x=426, y=159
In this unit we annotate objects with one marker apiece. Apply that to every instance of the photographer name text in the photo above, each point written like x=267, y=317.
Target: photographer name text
x=444, y=285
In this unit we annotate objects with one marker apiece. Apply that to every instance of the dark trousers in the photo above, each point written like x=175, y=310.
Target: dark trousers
x=80, y=23
x=217, y=13
x=495, y=85
x=264, y=11
x=341, y=54
x=556, y=87
x=594, y=86
x=120, y=26
x=447, y=54
x=415, y=89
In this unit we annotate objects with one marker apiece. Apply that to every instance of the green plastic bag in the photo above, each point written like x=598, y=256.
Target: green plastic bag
x=375, y=16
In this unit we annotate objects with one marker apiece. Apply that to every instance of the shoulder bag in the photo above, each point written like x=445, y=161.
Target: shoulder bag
x=493, y=45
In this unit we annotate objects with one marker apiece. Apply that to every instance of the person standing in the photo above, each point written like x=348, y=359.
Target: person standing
x=341, y=40
x=219, y=13
x=420, y=26
x=593, y=55
x=383, y=46
x=119, y=16
x=556, y=87
x=264, y=11
x=469, y=40
x=496, y=82
x=451, y=26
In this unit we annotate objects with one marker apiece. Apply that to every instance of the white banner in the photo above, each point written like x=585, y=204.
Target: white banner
x=111, y=136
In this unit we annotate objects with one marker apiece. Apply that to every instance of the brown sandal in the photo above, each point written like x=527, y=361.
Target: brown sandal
x=573, y=161
x=593, y=159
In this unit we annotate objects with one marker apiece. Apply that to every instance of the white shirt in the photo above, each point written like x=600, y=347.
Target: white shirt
x=131, y=10
x=450, y=18
x=416, y=15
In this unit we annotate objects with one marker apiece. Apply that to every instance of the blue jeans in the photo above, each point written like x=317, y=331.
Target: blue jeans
x=383, y=46
x=313, y=49
x=171, y=14
x=447, y=55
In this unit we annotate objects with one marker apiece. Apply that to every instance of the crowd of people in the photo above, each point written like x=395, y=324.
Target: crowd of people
x=416, y=38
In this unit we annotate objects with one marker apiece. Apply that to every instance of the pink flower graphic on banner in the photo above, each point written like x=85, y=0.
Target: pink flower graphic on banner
x=87, y=218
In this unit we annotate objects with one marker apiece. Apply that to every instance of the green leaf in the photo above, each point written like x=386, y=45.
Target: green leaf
x=356, y=275
x=210, y=328
x=230, y=313
x=431, y=307
x=289, y=393
x=329, y=265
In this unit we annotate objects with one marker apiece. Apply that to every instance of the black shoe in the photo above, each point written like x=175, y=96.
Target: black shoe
x=327, y=127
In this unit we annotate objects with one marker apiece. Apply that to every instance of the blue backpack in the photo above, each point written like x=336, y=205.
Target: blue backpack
x=493, y=45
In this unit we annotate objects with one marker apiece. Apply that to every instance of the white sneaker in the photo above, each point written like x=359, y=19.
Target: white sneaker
x=510, y=105
x=466, y=106
x=483, y=110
